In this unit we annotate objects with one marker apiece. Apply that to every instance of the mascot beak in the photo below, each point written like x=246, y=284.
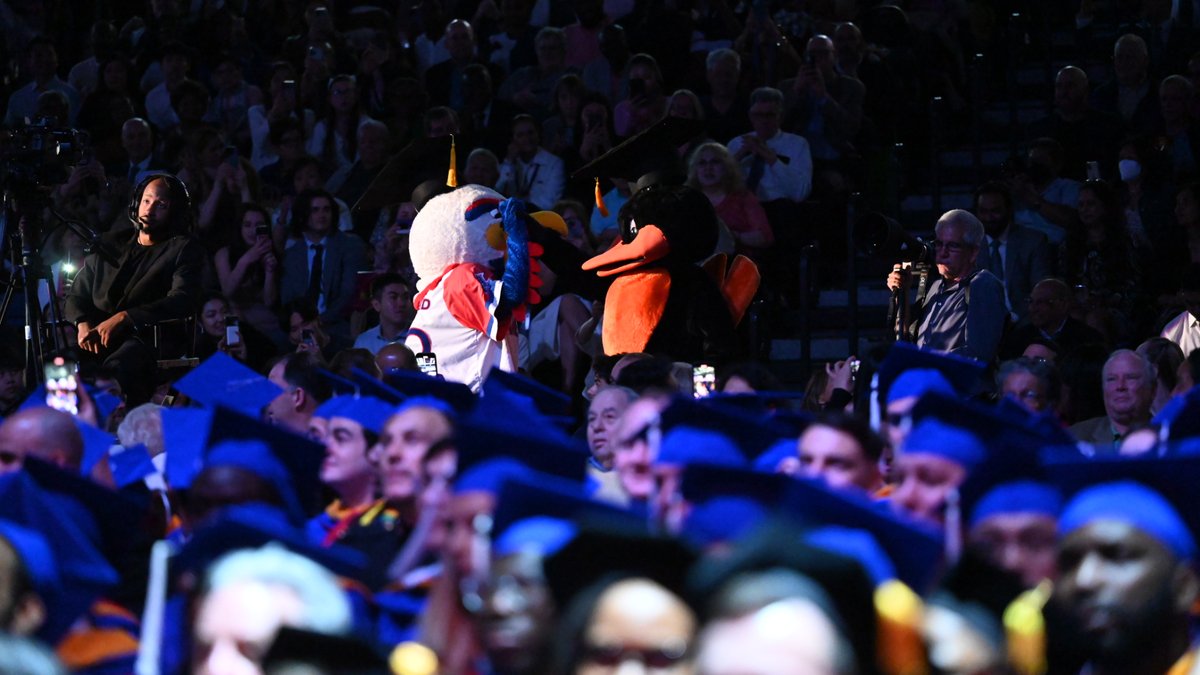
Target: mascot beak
x=649, y=245
x=497, y=239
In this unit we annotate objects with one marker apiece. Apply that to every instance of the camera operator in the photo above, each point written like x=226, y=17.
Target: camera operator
x=154, y=276
x=963, y=311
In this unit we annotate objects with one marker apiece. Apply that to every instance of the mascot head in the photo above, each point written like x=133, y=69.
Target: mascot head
x=462, y=226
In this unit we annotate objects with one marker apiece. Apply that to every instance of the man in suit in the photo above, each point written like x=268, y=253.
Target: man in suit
x=1130, y=93
x=323, y=264
x=153, y=275
x=1018, y=256
x=1050, y=319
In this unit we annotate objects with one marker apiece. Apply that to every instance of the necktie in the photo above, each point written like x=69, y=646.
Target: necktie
x=756, y=173
x=997, y=261
x=314, y=276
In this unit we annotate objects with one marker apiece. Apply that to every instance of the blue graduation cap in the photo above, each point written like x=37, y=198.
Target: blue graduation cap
x=771, y=458
x=106, y=403
x=253, y=526
x=752, y=433
x=185, y=436
x=550, y=402
x=500, y=427
x=50, y=533
x=96, y=444
x=728, y=502
x=913, y=548
x=223, y=380
x=130, y=465
x=366, y=384
x=1180, y=418
x=490, y=474
x=685, y=445
x=339, y=385
x=539, y=495
x=370, y=412
x=299, y=456
x=458, y=395
x=964, y=374
x=1156, y=494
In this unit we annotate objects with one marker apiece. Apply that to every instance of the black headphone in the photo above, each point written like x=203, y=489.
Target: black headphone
x=181, y=200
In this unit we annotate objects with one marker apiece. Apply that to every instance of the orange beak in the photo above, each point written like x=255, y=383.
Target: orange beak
x=649, y=245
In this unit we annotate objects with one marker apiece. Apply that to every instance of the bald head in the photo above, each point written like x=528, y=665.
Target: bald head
x=1049, y=304
x=1071, y=92
x=395, y=356
x=1130, y=60
x=44, y=433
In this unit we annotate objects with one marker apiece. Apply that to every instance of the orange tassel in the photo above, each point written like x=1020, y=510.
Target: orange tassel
x=452, y=175
x=600, y=200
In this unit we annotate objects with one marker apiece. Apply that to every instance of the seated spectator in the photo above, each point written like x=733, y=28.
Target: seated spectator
x=1147, y=193
x=1128, y=387
x=1166, y=357
x=175, y=61
x=1179, y=129
x=218, y=179
x=1050, y=304
x=713, y=171
x=248, y=271
x=1184, y=329
x=1031, y=383
x=645, y=102
x=531, y=89
x=266, y=119
x=234, y=97
x=483, y=168
x=826, y=107
x=101, y=112
x=41, y=68
x=391, y=298
x=446, y=81
x=560, y=131
x=725, y=105
x=351, y=182
x=777, y=164
x=485, y=119
x=1086, y=134
x=1098, y=255
x=529, y=171
x=334, y=139
x=1017, y=256
x=1045, y=201
x=306, y=175
x=1129, y=93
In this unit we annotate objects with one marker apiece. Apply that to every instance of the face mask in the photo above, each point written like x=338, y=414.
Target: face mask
x=1129, y=169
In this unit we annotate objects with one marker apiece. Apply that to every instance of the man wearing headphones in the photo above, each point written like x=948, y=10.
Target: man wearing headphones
x=152, y=275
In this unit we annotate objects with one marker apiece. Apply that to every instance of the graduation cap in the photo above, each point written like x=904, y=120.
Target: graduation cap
x=51, y=533
x=965, y=375
x=914, y=549
x=300, y=456
x=417, y=173
x=752, y=433
x=365, y=383
x=130, y=465
x=610, y=553
x=1156, y=494
x=322, y=653
x=1180, y=418
x=499, y=427
x=185, y=436
x=522, y=499
x=456, y=394
x=685, y=445
x=223, y=380
x=370, y=412
x=647, y=158
x=727, y=503
x=253, y=526
x=549, y=401
x=96, y=444
x=339, y=385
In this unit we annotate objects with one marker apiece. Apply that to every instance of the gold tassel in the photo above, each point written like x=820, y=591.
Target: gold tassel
x=452, y=175
x=600, y=200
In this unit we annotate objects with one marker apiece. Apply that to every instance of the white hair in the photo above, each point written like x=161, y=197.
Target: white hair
x=143, y=425
x=326, y=609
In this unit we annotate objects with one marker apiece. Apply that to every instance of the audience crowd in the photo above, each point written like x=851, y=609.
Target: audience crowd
x=253, y=471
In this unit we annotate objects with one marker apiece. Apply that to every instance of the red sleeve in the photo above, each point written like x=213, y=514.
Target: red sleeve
x=472, y=301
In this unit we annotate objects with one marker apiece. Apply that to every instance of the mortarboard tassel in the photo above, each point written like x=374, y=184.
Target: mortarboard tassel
x=452, y=174
x=603, y=208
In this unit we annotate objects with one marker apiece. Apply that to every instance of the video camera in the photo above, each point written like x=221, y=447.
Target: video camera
x=879, y=236
x=40, y=154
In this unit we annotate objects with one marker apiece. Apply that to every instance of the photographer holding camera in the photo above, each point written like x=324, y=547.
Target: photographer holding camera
x=963, y=312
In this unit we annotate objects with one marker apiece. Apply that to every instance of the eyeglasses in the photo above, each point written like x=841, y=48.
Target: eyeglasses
x=1026, y=395
x=951, y=246
x=611, y=656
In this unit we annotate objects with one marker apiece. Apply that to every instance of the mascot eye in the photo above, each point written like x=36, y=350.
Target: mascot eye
x=633, y=228
x=496, y=214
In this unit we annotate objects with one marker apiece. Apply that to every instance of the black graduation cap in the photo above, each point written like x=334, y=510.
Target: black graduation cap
x=617, y=552
x=650, y=157
x=454, y=394
x=323, y=654
x=424, y=160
